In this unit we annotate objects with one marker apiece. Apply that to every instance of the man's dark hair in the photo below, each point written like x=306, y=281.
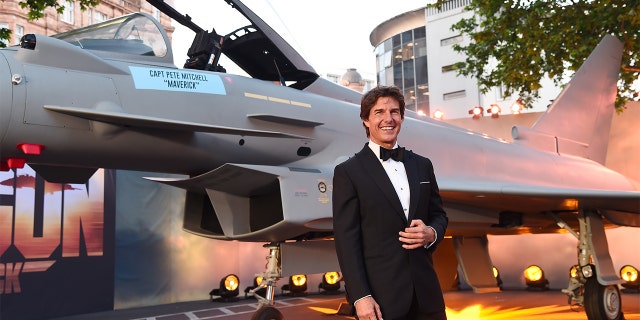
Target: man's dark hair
x=370, y=98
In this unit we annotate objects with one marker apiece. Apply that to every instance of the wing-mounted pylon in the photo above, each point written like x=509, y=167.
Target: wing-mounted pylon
x=257, y=203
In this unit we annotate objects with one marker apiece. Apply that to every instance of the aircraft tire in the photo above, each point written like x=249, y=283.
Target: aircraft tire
x=602, y=302
x=267, y=313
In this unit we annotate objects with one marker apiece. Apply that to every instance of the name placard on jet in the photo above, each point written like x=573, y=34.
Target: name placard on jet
x=176, y=80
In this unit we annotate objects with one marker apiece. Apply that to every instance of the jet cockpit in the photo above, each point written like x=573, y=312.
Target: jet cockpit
x=134, y=34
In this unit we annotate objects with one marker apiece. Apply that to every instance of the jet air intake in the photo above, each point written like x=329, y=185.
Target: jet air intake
x=257, y=203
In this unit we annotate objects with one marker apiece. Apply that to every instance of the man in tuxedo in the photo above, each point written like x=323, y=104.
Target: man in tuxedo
x=387, y=219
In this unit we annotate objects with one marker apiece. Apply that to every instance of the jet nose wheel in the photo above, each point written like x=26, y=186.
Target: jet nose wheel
x=267, y=313
x=602, y=302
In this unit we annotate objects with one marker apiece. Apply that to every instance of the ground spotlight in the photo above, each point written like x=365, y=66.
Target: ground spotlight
x=438, y=114
x=516, y=107
x=494, y=110
x=534, y=278
x=630, y=276
x=297, y=285
x=476, y=112
x=496, y=274
x=330, y=283
x=228, y=290
x=257, y=281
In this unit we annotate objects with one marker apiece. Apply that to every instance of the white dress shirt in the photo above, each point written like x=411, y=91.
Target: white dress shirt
x=398, y=176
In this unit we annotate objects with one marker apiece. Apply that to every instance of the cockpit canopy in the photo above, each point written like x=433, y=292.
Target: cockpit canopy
x=134, y=34
x=256, y=48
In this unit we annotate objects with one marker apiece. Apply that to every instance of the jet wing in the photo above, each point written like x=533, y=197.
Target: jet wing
x=512, y=197
x=140, y=121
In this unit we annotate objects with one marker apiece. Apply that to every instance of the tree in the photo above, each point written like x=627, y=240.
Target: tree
x=515, y=44
x=36, y=11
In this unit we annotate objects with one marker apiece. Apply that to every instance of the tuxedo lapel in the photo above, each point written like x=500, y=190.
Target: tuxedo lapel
x=411, y=167
x=372, y=165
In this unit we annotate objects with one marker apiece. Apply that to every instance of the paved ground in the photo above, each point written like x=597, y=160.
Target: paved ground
x=461, y=305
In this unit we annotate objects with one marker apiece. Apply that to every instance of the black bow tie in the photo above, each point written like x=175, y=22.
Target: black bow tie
x=396, y=154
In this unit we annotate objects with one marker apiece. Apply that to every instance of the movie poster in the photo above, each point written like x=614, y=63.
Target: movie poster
x=56, y=245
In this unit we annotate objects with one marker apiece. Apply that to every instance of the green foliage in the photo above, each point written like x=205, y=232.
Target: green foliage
x=36, y=11
x=36, y=7
x=517, y=43
x=4, y=34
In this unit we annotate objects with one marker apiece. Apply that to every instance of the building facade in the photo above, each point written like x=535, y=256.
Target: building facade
x=414, y=51
x=401, y=57
x=14, y=17
x=351, y=79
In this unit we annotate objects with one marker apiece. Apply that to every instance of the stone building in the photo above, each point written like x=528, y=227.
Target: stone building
x=15, y=18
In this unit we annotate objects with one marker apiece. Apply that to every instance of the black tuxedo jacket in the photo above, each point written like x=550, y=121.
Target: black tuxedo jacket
x=367, y=216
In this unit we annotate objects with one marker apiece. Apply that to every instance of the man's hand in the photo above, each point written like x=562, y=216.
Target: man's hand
x=417, y=235
x=368, y=309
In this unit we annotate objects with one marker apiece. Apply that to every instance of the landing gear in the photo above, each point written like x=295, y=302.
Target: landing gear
x=602, y=302
x=267, y=313
x=273, y=272
x=595, y=283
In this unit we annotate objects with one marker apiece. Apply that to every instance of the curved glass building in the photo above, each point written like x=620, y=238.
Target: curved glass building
x=401, y=57
x=414, y=51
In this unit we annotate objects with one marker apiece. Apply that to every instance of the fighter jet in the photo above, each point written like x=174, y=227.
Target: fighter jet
x=258, y=151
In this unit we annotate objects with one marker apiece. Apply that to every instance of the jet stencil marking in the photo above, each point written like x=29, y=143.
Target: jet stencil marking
x=274, y=99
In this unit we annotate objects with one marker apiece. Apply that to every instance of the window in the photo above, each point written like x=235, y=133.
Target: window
x=384, y=56
x=454, y=95
x=407, y=51
x=420, y=47
x=409, y=99
x=388, y=79
x=18, y=33
x=422, y=72
x=67, y=13
x=397, y=55
x=385, y=60
x=395, y=41
x=99, y=17
x=420, y=32
x=407, y=45
x=422, y=98
x=408, y=70
x=451, y=40
x=388, y=44
x=396, y=52
x=95, y=16
x=397, y=75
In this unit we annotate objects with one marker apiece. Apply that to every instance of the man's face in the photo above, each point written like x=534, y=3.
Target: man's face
x=384, y=122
